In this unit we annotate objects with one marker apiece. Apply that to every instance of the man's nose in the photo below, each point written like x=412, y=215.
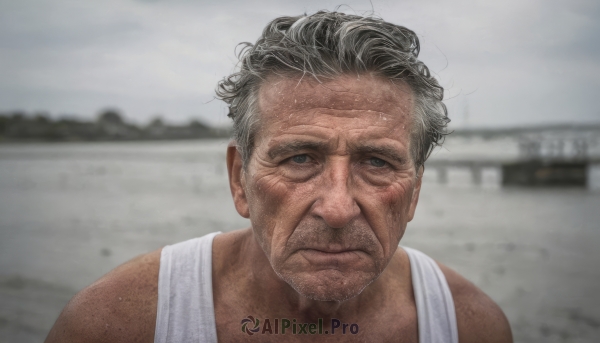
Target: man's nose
x=336, y=204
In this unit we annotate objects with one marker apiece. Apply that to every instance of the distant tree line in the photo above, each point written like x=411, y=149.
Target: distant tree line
x=110, y=125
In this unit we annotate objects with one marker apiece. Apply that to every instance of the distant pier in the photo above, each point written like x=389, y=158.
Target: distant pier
x=554, y=157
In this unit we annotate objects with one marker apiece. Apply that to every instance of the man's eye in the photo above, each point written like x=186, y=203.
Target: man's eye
x=300, y=159
x=377, y=162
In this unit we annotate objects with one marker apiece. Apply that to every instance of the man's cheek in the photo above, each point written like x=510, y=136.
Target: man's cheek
x=397, y=197
x=269, y=206
x=287, y=197
x=266, y=193
x=386, y=211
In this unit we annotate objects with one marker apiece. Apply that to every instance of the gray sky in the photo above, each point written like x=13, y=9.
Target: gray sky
x=503, y=63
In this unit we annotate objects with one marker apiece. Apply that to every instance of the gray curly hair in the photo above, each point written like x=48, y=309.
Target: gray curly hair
x=326, y=45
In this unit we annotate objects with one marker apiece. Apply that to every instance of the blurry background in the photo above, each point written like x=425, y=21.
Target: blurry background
x=112, y=145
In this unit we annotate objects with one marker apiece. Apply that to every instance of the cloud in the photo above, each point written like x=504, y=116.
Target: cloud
x=508, y=62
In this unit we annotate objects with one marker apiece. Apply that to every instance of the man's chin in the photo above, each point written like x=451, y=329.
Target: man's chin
x=328, y=286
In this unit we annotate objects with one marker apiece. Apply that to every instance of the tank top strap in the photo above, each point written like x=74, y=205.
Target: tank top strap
x=185, y=311
x=435, y=307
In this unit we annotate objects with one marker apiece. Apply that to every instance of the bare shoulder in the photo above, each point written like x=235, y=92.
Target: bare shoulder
x=119, y=307
x=479, y=318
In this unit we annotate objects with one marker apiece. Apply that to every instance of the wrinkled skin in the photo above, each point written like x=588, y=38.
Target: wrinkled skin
x=330, y=185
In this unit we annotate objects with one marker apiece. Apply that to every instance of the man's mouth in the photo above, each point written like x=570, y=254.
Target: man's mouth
x=326, y=257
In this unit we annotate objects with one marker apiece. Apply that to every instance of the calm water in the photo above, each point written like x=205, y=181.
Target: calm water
x=71, y=212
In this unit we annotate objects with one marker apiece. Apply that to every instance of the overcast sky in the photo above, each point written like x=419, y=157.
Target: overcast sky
x=503, y=63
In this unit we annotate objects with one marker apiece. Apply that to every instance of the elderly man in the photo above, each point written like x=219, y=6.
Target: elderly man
x=334, y=116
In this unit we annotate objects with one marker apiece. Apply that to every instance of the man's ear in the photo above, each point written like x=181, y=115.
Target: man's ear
x=237, y=180
x=416, y=191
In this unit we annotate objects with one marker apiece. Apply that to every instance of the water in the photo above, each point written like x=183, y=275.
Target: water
x=71, y=212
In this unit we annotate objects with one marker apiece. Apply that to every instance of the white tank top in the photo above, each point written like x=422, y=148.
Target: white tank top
x=185, y=299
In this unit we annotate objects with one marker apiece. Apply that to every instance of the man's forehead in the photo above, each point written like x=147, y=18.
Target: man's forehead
x=279, y=94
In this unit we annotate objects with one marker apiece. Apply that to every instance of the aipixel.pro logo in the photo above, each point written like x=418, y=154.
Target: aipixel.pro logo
x=282, y=326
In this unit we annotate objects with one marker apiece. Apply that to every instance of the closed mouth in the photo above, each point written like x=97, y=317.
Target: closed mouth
x=331, y=256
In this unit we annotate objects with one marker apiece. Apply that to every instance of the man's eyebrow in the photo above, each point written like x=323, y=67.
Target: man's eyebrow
x=294, y=146
x=385, y=150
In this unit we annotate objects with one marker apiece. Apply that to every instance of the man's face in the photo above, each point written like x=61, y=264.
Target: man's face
x=331, y=184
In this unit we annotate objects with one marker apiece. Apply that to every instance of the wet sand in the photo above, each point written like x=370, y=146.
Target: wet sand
x=71, y=212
